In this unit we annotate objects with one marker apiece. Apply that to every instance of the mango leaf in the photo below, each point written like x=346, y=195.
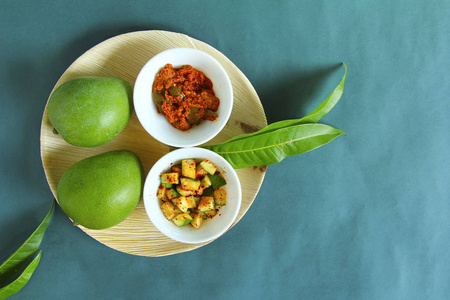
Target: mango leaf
x=327, y=105
x=273, y=146
x=22, y=280
x=26, y=251
x=312, y=117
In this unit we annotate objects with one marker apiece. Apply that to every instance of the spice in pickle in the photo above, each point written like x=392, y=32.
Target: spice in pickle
x=191, y=192
x=185, y=96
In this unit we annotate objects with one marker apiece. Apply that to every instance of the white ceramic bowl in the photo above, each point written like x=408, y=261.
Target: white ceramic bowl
x=211, y=228
x=156, y=124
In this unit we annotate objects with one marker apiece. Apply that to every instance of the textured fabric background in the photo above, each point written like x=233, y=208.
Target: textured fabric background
x=365, y=217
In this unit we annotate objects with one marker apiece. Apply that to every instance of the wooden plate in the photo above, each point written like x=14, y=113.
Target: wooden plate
x=124, y=56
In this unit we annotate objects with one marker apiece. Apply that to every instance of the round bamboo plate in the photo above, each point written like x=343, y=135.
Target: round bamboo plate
x=123, y=56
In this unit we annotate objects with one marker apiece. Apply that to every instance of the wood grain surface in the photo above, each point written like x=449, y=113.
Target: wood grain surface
x=123, y=56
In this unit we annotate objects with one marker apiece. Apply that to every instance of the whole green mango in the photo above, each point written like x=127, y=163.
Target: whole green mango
x=90, y=111
x=103, y=190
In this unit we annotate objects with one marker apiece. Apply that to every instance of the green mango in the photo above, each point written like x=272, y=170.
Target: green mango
x=90, y=111
x=103, y=190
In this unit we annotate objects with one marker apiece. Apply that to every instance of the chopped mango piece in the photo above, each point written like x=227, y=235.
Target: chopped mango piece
x=169, y=210
x=161, y=192
x=188, y=168
x=169, y=178
x=206, y=203
x=176, y=169
x=220, y=197
x=208, y=166
x=206, y=182
x=182, y=219
x=200, y=172
x=197, y=220
x=189, y=184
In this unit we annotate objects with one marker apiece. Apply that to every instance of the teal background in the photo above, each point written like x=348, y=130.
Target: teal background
x=365, y=217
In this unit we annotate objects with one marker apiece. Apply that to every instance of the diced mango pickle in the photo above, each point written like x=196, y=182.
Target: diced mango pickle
x=176, y=169
x=206, y=203
x=189, y=184
x=210, y=213
x=200, y=172
x=184, y=192
x=169, y=210
x=220, y=197
x=208, y=166
x=191, y=192
x=161, y=193
x=181, y=203
x=197, y=220
x=169, y=178
x=172, y=194
x=182, y=219
x=199, y=192
x=188, y=168
x=191, y=202
x=206, y=182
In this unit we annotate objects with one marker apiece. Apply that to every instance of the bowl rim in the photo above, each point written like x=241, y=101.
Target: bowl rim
x=209, y=129
x=152, y=204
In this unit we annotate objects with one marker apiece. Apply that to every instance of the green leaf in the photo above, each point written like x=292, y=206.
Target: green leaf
x=273, y=146
x=312, y=117
x=22, y=280
x=26, y=251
